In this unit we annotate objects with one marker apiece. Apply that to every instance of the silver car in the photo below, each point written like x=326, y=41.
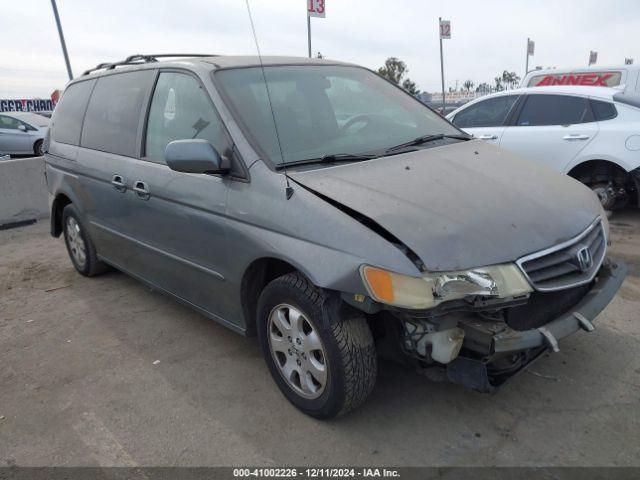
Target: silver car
x=22, y=133
x=318, y=206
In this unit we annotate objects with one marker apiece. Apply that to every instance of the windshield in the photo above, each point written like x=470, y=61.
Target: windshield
x=325, y=110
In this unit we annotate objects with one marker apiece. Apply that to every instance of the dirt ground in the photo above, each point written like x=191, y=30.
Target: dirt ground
x=104, y=372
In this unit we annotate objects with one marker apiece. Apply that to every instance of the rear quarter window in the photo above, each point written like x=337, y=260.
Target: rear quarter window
x=603, y=110
x=113, y=116
x=66, y=123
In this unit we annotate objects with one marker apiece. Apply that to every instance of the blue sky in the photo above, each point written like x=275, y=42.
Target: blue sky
x=487, y=37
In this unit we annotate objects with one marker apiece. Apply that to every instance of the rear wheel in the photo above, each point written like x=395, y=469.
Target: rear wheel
x=81, y=250
x=325, y=367
x=37, y=148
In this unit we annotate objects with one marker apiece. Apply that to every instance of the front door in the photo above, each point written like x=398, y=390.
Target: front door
x=178, y=219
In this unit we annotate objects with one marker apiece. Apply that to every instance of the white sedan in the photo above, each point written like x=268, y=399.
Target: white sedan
x=22, y=133
x=590, y=133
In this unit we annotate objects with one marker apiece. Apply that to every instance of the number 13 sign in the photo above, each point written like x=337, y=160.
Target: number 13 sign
x=316, y=8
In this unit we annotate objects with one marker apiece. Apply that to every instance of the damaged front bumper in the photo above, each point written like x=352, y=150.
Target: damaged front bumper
x=487, y=342
x=522, y=347
x=580, y=316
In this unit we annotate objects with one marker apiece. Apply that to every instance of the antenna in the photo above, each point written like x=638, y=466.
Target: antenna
x=288, y=188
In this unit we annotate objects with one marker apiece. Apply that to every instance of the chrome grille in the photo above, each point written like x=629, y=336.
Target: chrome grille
x=566, y=265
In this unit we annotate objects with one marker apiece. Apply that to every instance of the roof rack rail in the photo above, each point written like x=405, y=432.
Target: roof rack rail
x=141, y=59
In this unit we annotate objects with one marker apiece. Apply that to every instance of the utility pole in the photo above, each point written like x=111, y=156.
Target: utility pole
x=62, y=42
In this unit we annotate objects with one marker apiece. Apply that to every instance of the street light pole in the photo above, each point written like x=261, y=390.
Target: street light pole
x=526, y=68
x=62, y=42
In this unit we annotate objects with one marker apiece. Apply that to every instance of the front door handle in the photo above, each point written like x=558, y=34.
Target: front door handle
x=141, y=190
x=488, y=137
x=118, y=183
x=576, y=137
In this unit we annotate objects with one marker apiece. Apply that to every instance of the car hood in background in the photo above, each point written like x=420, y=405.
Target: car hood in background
x=463, y=205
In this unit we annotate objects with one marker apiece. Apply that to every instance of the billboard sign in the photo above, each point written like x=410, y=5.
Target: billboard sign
x=31, y=104
x=592, y=79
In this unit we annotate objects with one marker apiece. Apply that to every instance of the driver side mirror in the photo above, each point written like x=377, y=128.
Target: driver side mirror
x=22, y=128
x=195, y=156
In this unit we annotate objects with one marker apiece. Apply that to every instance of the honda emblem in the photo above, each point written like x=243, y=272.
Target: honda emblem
x=583, y=257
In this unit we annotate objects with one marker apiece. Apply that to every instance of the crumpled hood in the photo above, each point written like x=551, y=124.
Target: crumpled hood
x=463, y=205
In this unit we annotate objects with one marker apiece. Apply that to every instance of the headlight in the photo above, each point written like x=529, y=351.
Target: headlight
x=498, y=281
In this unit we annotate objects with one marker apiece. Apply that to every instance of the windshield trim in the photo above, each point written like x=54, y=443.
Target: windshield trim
x=255, y=145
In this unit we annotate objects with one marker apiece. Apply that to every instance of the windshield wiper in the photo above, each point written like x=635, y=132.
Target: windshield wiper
x=334, y=157
x=426, y=139
x=346, y=157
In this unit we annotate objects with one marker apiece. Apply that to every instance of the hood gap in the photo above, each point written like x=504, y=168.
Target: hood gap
x=371, y=225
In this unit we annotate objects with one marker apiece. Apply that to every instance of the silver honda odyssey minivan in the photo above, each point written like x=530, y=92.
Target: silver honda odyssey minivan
x=323, y=209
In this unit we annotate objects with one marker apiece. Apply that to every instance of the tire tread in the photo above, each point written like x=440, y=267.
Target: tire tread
x=355, y=344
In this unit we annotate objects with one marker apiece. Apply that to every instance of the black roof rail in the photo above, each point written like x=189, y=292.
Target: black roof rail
x=139, y=59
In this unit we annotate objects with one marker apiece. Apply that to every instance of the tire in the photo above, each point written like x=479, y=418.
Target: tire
x=344, y=347
x=80, y=247
x=605, y=194
x=37, y=149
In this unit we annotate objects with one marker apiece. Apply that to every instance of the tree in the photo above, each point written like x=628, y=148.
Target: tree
x=468, y=85
x=499, y=86
x=484, y=87
x=510, y=79
x=395, y=70
x=410, y=86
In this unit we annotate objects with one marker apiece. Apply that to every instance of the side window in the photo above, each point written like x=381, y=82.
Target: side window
x=540, y=110
x=181, y=110
x=603, y=110
x=113, y=115
x=66, y=123
x=488, y=113
x=9, y=122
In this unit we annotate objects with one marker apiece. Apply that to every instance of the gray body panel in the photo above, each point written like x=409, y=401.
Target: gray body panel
x=196, y=235
x=464, y=205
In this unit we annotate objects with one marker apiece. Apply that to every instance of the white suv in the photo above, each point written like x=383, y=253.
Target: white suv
x=590, y=133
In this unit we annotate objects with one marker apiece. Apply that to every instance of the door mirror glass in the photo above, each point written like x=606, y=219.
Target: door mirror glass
x=194, y=156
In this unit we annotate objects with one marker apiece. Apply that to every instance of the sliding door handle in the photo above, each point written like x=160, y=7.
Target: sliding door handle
x=141, y=189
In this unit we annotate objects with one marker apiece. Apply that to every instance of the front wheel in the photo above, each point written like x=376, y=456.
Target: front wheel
x=606, y=194
x=325, y=367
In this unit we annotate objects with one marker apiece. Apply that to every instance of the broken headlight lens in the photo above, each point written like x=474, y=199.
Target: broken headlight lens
x=499, y=281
